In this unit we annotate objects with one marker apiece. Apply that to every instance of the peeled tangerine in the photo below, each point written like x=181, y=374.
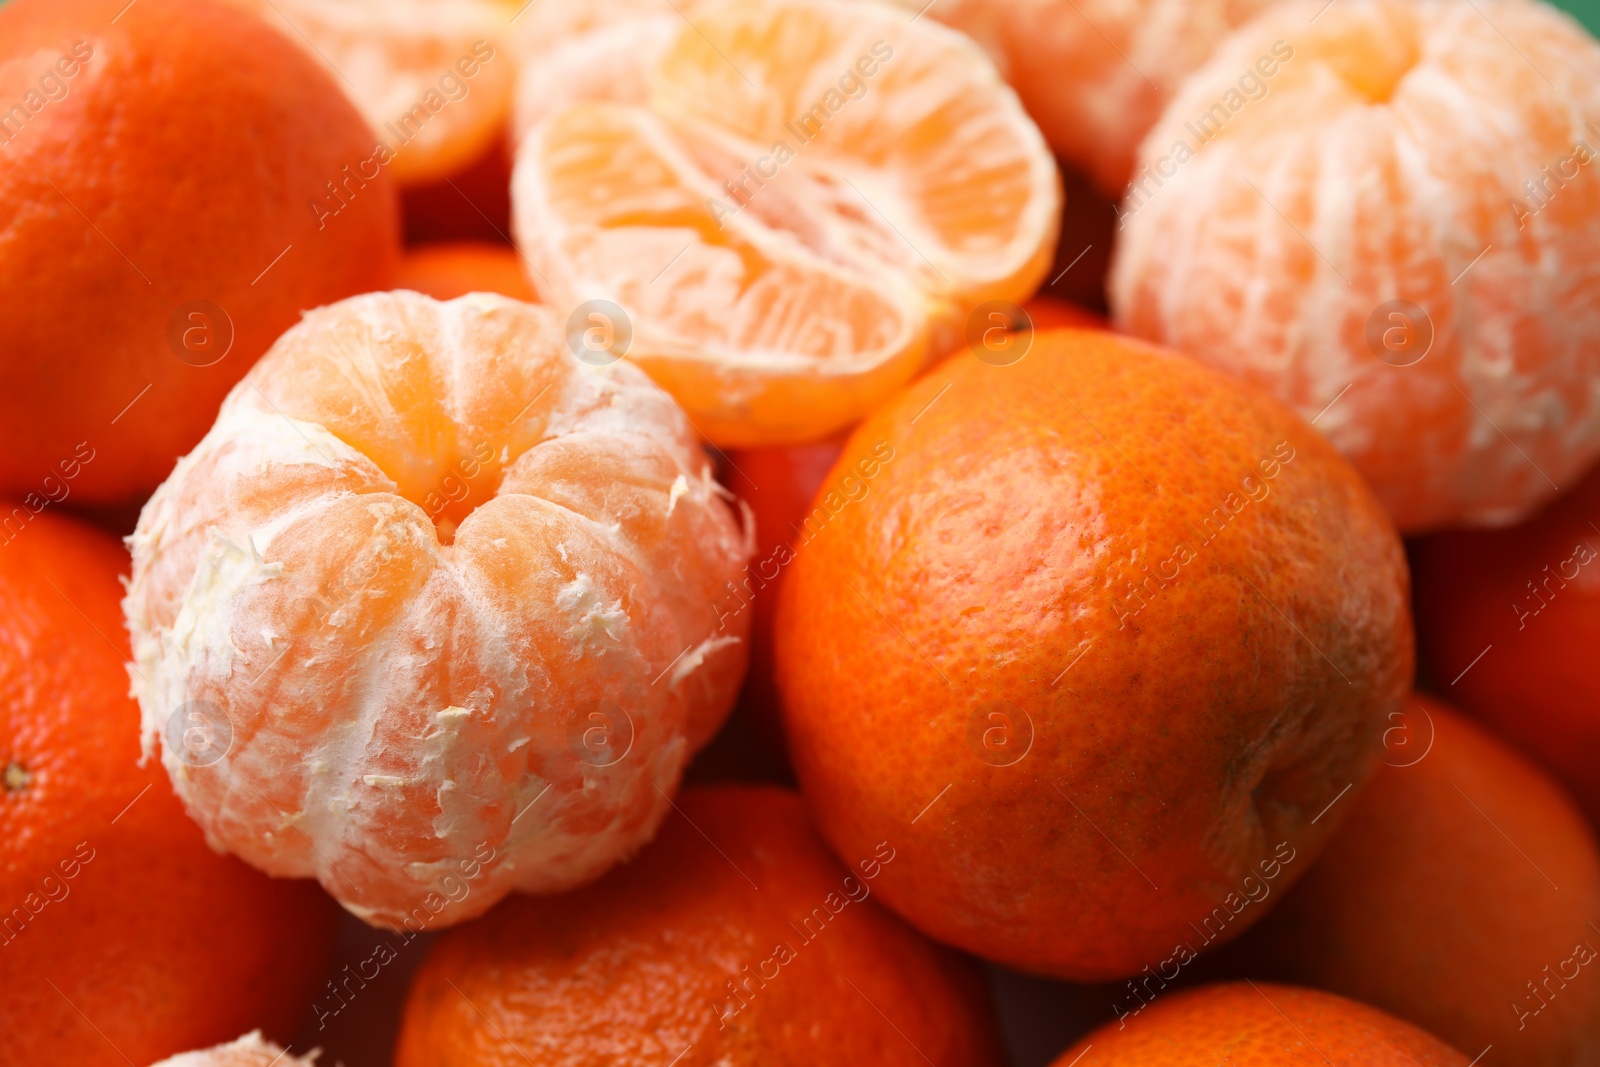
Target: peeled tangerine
x=428, y=614
x=789, y=206
x=1394, y=232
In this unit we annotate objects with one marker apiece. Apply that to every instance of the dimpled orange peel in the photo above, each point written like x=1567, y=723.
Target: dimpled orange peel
x=1395, y=233
x=1095, y=635
x=789, y=205
x=428, y=614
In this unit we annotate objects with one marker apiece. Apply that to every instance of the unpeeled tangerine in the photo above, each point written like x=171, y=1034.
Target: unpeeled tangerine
x=428, y=614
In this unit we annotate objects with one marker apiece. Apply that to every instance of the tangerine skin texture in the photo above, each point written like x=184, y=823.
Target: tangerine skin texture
x=1437, y=900
x=1365, y=171
x=1524, y=603
x=451, y=591
x=636, y=969
x=164, y=944
x=183, y=157
x=1261, y=1025
x=988, y=568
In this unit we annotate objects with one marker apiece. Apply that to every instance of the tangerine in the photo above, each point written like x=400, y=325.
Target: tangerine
x=444, y=591
x=781, y=268
x=445, y=270
x=125, y=938
x=735, y=939
x=1261, y=1024
x=1348, y=234
x=1507, y=624
x=157, y=228
x=1458, y=895
x=1095, y=637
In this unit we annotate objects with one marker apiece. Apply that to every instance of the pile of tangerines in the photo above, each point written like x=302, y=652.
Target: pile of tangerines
x=727, y=532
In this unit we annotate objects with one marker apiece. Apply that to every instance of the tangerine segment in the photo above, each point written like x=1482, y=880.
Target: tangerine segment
x=431, y=77
x=1397, y=239
x=782, y=267
x=248, y=1051
x=1260, y=1023
x=450, y=592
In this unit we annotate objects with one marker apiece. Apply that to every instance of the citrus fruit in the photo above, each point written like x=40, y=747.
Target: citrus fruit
x=249, y=1051
x=1457, y=895
x=124, y=938
x=1095, y=74
x=431, y=77
x=792, y=205
x=437, y=595
x=445, y=270
x=1356, y=239
x=1096, y=638
x=734, y=939
x=1048, y=313
x=1260, y=1023
x=1507, y=623
x=156, y=228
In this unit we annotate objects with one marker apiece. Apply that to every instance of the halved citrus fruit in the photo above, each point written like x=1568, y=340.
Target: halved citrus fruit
x=794, y=204
x=428, y=614
x=430, y=76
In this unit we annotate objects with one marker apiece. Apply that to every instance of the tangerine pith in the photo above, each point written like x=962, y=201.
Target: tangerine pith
x=435, y=596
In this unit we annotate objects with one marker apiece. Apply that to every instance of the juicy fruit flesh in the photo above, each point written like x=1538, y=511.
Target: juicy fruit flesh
x=421, y=559
x=794, y=203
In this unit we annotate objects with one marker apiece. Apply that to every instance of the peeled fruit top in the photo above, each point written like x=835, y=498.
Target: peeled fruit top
x=1382, y=211
x=428, y=614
